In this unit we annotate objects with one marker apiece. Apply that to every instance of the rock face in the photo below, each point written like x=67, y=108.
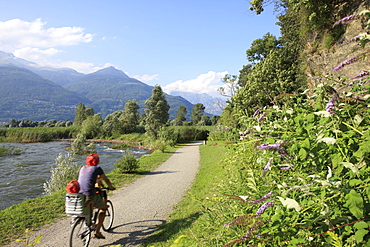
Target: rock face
x=322, y=62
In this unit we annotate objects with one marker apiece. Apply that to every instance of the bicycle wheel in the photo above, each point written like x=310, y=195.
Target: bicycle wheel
x=80, y=234
x=109, y=217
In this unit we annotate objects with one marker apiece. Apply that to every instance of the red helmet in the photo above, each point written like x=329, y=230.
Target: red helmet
x=92, y=159
x=73, y=187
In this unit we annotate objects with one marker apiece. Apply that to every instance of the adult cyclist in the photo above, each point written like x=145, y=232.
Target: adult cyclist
x=87, y=178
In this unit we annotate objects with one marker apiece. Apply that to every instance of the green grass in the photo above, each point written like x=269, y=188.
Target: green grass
x=190, y=222
x=32, y=214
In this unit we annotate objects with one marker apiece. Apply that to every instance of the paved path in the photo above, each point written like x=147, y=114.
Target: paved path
x=141, y=206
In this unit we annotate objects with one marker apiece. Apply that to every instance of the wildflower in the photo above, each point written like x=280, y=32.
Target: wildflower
x=309, y=184
x=345, y=20
x=346, y=62
x=256, y=112
x=363, y=74
x=264, y=198
x=330, y=105
x=264, y=207
x=267, y=165
x=265, y=146
x=286, y=168
x=261, y=117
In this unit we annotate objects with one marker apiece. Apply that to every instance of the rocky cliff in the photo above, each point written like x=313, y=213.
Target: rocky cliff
x=322, y=61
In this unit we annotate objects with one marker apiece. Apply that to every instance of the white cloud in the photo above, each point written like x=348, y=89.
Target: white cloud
x=33, y=42
x=146, y=78
x=204, y=83
x=17, y=34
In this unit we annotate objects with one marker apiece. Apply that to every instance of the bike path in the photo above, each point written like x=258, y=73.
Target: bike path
x=139, y=207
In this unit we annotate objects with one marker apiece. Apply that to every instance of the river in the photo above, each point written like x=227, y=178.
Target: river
x=23, y=176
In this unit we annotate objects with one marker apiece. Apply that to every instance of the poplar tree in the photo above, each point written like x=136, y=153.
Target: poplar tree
x=197, y=113
x=130, y=116
x=156, y=111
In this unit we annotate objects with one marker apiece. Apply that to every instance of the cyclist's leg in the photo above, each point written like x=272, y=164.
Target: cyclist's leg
x=100, y=203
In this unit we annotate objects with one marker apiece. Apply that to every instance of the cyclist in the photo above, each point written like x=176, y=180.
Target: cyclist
x=87, y=178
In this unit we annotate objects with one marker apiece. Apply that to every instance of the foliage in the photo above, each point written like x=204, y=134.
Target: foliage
x=79, y=145
x=65, y=170
x=127, y=164
x=130, y=117
x=224, y=134
x=197, y=113
x=91, y=126
x=180, y=117
x=156, y=109
x=190, y=133
x=260, y=48
x=37, y=134
x=82, y=113
x=4, y=150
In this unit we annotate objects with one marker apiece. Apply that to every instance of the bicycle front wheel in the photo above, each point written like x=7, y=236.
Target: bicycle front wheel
x=109, y=217
x=80, y=234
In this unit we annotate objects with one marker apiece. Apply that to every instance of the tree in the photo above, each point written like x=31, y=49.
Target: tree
x=111, y=125
x=205, y=121
x=260, y=48
x=91, y=127
x=197, y=113
x=156, y=110
x=180, y=117
x=82, y=113
x=130, y=117
x=231, y=86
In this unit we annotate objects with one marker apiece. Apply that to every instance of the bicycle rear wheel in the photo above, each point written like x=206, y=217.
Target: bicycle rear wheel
x=109, y=217
x=80, y=234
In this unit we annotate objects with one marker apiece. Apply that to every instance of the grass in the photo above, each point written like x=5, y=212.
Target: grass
x=189, y=223
x=32, y=214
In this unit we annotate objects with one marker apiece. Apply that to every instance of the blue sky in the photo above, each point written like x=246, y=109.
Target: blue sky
x=186, y=45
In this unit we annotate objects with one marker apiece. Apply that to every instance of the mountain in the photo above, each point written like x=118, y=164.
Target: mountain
x=213, y=106
x=108, y=89
x=60, y=76
x=25, y=95
x=35, y=93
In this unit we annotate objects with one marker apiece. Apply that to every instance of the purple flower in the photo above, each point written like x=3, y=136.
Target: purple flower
x=267, y=165
x=256, y=112
x=286, y=168
x=346, y=62
x=264, y=198
x=271, y=147
x=363, y=74
x=309, y=184
x=330, y=106
x=264, y=207
x=261, y=117
x=345, y=20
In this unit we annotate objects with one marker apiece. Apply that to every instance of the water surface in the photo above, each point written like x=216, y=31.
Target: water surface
x=23, y=176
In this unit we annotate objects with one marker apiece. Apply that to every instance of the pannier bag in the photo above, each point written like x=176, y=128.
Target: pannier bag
x=75, y=205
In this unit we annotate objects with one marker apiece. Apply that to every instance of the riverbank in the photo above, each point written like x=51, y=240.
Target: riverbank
x=30, y=215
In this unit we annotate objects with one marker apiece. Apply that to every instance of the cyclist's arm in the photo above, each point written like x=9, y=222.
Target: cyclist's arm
x=107, y=181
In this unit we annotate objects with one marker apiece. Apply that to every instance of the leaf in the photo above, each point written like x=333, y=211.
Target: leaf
x=350, y=166
x=302, y=154
x=355, y=204
x=357, y=120
x=360, y=235
x=361, y=225
x=290, y=203
x=330, y=174
x=327, y=140
x=355, y=182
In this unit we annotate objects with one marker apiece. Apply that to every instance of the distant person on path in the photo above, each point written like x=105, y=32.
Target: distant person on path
x=87, y=179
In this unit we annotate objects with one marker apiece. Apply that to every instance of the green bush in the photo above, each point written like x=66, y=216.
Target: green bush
x=4, y=150
x=64, y=171
x=127, y=164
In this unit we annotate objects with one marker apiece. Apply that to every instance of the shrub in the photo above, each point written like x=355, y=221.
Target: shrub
x=64, y=171
x=127, y=164
x=4, y=150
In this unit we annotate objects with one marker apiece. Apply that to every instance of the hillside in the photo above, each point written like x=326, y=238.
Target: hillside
x=109, y=89
x=25, y=95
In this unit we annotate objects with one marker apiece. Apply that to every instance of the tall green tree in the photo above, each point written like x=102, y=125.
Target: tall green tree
x=156, y=111
x=197, y=113
x=260, y=48
x=92, y=125
x=81, y=114
x=180, y=117
x=130, y=117
x=112, y=125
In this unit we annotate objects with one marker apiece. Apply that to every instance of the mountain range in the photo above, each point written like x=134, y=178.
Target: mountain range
x=37, y=93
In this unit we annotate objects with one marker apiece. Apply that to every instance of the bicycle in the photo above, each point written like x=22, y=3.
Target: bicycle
x=84, y=219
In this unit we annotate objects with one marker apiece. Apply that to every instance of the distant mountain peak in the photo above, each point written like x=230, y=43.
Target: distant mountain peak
x=111, y=71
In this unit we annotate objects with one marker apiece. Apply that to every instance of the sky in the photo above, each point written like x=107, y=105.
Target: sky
x=181, y=45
